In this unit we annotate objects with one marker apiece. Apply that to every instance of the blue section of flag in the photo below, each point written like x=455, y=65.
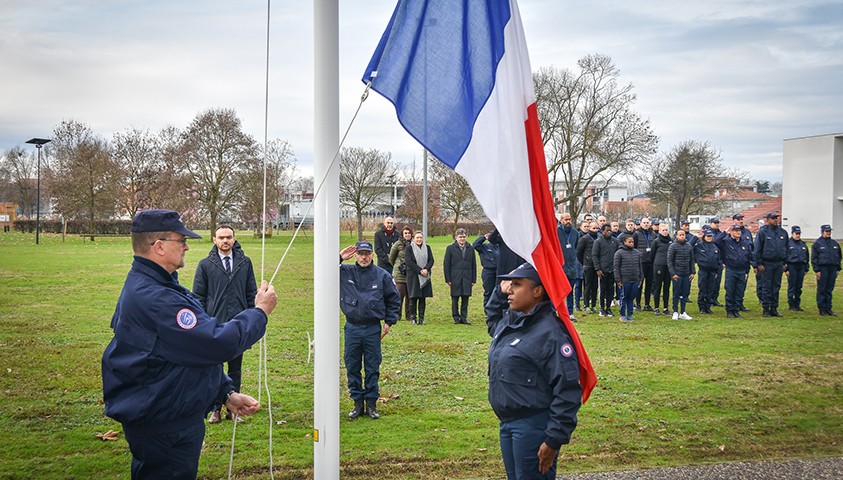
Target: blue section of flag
x=436, y=63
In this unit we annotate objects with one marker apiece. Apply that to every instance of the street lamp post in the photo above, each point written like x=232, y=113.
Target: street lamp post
x=38, y=142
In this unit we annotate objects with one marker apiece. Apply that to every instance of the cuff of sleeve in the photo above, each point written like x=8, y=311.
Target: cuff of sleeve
x=553, y=443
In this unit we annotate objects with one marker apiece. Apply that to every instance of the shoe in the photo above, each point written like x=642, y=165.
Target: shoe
x=622, y=319
x=766, y=312
x=579, y=309
x=457, y=321
x=372, y=410
x=465, y=321
x=421, y=321
x=774, y=312
x=666, y=311
x=573, y=318
x=737, y=315
x=629, y=319
x=717, y=304
x=793, y=308
x=830, y=313
x=358, y=410
x=657, y=312
x=413, y=319
x=603, y=313
x=685, y=316
x=614, y=303
x=609, y=312
x=744, y=309
x=675, y=316
x=637, y=307
x=730, y=314
x=648, y=308
x=593, y=310
x=215, y=417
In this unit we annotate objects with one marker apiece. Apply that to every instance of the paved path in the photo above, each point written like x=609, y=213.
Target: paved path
x=825, y=469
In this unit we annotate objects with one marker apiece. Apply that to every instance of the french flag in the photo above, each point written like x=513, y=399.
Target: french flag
x=459, y=75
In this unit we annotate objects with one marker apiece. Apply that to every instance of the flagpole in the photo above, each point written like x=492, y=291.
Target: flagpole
x=326, y=390
x=424, y=197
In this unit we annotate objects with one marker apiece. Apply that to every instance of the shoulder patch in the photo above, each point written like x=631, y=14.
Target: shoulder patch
x=186, y=318
x=566, y=350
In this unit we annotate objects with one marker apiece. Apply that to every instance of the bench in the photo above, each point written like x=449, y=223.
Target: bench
x=87, y=235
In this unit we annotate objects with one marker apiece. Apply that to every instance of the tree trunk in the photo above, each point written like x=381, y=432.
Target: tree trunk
x=359, y=225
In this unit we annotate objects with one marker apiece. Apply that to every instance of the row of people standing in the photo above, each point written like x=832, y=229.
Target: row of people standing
x=667, y=261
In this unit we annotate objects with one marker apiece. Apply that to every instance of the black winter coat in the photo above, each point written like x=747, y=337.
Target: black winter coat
x=603, y=253
x=680, y=259
x=584, y=249
x=460, y=268
x=225, y=295
x=383, y=245
x=628, y=268
x=642, y=243
x=659, y=247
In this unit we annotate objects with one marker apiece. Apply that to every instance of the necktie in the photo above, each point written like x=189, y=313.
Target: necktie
x=227, y=261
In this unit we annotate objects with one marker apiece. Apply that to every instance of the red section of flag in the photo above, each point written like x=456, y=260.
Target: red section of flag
x=547, y=257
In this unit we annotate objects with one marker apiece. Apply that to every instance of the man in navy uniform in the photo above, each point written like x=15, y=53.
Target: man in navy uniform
x=367, y=296
x=162, y=372
x=714, y=226
x=796, y=264
x=489, y=261
x=825, y=260
x=736, y=254
x=707, y=256
x=770, y=252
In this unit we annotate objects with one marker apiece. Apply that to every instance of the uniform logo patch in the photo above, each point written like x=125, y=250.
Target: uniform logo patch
x=566, y=350
x=186, y=318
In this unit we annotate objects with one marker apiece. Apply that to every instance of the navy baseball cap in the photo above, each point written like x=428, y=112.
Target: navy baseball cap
x=772, y=215
x=364, y=246
x=825, y=228
x=656, y=222
x=795, y=229
x=736, y=227
x=525, y=270
x=737, y=216
x=714, y=220
x=685, y=222
x=161, y=221
x=708, y=232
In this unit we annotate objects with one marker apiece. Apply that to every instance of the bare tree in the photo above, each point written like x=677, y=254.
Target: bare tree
x=138, y=152
x=83, y=175
x=689, y=177
x=364, y=177
x=215, y=150
x=19, y=169
x=456, y=196
x=280, y=165
x=590, y=132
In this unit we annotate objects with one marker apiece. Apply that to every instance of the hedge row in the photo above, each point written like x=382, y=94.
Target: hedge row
x=75, y=226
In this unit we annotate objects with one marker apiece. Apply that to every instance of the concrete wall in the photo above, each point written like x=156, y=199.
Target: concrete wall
x=812, y=184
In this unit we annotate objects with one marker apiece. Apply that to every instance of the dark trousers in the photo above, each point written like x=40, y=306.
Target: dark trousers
x=771, y=284
x=362, y=350
x=607, y=290
x=661, y=285
x=735, y=286
x=520, y=441
x=629, y=290
x=173, y=454
x=488, y=277
x=405, y=301
x=681, y=290
x=707, y=284
x=576, y=287
x=795, y=278
x=825, y=285
x=718, y=278
x=590, y=288
x=417, y=307
x=459, y=312
x=646, y=287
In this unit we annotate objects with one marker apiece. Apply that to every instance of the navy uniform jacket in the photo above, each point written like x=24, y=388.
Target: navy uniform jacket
x=825, y=252
x=736, y=255
x=585, y=248
x=222, y=295
x=533, y=368
x=603, y=253
x=568, y=240
x=368, y=295
x=488, y=252
x=797, y=252
x=770, y=246
x=164, y=364
x=707, y=255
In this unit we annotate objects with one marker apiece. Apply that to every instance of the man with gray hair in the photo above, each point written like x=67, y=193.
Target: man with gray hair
x=460, y=268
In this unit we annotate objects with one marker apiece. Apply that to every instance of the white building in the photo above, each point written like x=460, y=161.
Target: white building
x=812, y=184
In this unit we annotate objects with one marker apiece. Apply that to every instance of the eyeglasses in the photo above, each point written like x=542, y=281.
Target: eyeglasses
x=183, y=241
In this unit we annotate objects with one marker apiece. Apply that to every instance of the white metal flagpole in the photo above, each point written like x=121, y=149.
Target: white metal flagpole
x=326, y=389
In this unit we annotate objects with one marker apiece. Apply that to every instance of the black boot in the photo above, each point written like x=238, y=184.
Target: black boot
x=766, y=312
x=372, y=409
x=358, y=410
x=730, y=314
x=774, y=312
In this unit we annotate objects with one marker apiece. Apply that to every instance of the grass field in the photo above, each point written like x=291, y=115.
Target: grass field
x=670, y=393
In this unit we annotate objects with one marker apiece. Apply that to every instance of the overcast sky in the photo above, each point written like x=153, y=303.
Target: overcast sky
x=742, y=75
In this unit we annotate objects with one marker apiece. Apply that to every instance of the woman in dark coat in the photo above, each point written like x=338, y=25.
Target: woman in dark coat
x=419, y=260
x=399, y=267
x=460, y=267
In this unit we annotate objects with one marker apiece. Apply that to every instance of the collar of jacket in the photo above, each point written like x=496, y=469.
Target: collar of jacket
x=524, y=318
x=236, y=251
x=152, y=269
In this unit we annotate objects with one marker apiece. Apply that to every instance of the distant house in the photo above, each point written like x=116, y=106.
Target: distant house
x=610, y=198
